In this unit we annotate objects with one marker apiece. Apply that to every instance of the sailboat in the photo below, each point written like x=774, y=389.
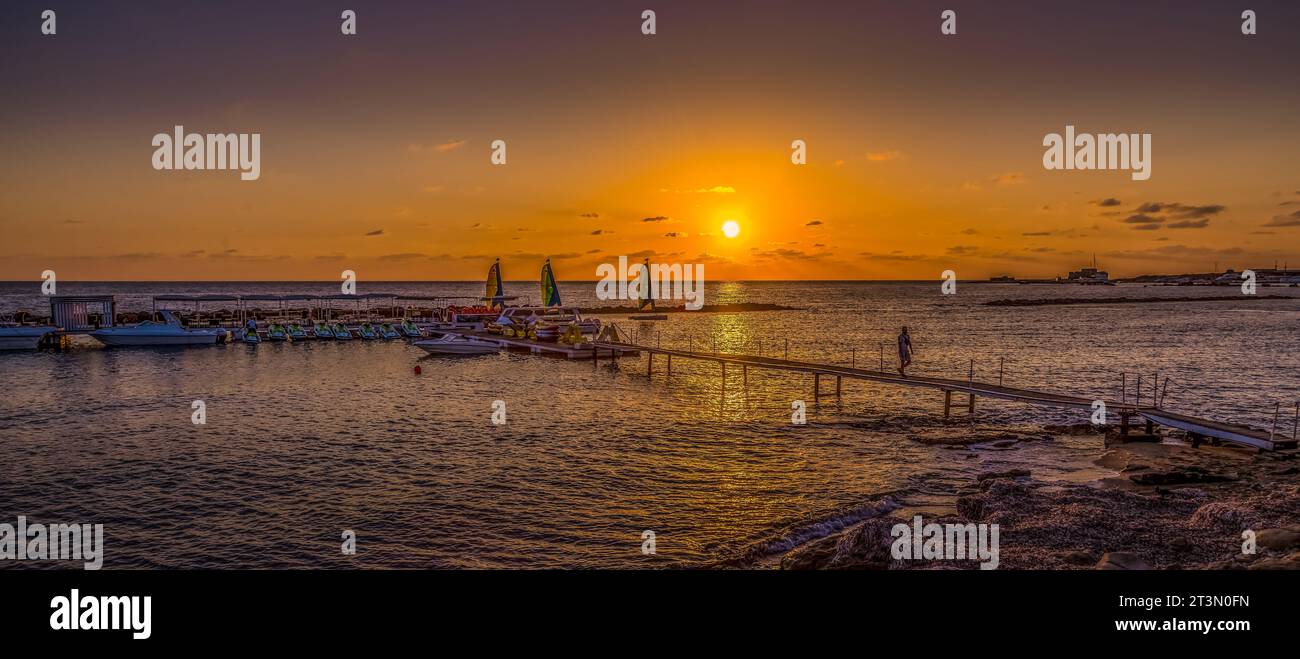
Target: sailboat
x=495, y=296
x=550, y=292
x=645, y=296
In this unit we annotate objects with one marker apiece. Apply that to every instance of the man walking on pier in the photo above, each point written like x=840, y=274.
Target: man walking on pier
x=904, y=352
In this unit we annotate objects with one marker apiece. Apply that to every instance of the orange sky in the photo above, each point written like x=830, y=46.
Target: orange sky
x=924, y=154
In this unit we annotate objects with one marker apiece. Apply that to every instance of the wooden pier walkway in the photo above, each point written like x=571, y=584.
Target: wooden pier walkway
x=1197, y=428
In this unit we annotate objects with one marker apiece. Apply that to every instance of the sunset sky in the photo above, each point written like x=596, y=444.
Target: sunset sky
x=924, y=151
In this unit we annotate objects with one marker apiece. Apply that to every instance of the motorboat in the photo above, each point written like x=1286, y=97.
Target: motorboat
x=342, y=332
x=367, y=331
x=296, y=332
x=454, y=344
x=387, y=331
x=410, y=330
x=170, y=332
x=23, y=337
x=322, y=331
x=251, y=336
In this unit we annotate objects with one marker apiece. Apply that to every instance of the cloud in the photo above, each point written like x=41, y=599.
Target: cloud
x=403, y=257
x=593, y=251
x=717, y=189
x=376, y=232
x=814, y=223
x=451, y=145
x=882, y=156
x=1179, y=211
x=970, y=187
x=598, y=232
x=1292, y=220
x=590, y=216
x=656, y=218
x=896, y=255
x=791, y=254
x=962, y=250
x=1037, y=233
x=194, y=253
x=674, y=234
x=1141, y=218
x=1108, y=201
x=1190, y=224
x=969, y=232
x=1011, y=178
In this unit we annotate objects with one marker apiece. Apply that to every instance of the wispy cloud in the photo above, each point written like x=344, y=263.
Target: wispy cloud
x=882, y=156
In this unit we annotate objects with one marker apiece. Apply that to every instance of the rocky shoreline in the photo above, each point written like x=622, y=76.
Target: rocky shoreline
x=1171, y=507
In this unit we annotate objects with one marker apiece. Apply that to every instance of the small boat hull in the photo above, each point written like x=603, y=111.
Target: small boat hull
x=23, y=338
x=455, y=345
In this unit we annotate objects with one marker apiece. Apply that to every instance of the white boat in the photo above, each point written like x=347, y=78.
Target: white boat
x=170, y=332
x=453, y=344
x=23, y=337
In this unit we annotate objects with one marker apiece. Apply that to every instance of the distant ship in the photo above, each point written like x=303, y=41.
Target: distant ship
x=1091, y=276
x=1004, y=279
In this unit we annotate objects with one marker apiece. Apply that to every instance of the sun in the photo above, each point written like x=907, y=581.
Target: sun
x=730, y=229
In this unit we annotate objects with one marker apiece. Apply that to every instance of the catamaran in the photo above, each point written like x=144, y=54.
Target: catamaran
x=170, y=332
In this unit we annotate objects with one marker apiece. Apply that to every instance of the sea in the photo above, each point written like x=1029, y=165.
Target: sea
x=305, y=444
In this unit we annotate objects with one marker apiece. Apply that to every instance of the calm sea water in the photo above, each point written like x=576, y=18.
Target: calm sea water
x=305, y=440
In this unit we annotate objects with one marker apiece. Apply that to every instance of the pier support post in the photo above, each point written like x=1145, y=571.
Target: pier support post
x=744, y=375
x=650, y=365
x=970, y=404
x=670, y=365
x=947, y=402
x=837, y=386
x=1151, y=427
x=817, y=385
x=1123, y=423
x=724, y=380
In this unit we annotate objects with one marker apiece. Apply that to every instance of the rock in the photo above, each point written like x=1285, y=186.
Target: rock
x=1179, y=477
x=1004, y=443
x=971, y=507
x=1217, y=515
x=1180, y=543
x=1291, y=562
x=1079, y=557
x=1121, y=560
x=1010, y=473
x=810, y=556
x=1278, y=539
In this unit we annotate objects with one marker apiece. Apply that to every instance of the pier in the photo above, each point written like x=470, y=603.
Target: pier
x=1198, y=429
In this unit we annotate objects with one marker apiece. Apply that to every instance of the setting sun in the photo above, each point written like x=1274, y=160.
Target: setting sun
x=730, y=229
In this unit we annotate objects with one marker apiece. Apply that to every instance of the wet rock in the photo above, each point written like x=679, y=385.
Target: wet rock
x=1282, y=539
x=1291, y=562
x=1121, y=560
x=1180, y=544
x=1010, y=473
x=971, y=507
x=1004, y=443
x=1079, y=557
x=1217, y=515
x=1179, y=477
x=810, y=556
